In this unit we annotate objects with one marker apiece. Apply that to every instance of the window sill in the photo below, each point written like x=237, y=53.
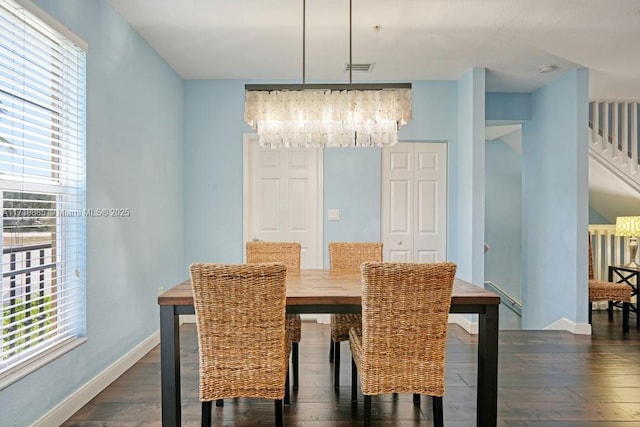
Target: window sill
x=29, y=366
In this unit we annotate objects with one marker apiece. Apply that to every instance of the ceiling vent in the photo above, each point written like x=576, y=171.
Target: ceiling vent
x=360, y=68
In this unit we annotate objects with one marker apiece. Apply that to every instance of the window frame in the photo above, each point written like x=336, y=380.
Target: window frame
x=67, y=226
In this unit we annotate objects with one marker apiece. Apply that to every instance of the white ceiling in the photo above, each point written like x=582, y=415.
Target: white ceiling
x=418, y=40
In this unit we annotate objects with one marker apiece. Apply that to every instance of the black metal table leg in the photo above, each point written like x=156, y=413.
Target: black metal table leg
x=627, y=274
x=487, y=399
x=170, y=366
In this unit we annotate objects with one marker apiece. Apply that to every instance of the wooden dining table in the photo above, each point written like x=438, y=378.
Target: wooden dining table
x=323, y=291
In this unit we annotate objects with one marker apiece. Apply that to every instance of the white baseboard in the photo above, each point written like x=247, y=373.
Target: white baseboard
x=187, y=318
x=565, y=324
x=323, y=319
x=464, y=322
x=72, y=404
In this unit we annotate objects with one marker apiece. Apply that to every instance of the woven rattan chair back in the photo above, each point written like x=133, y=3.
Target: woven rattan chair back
x=348, y=256
x=240, y=318
x=600, y=290
x=288, y=253
x=405, y=311
x=285, y=252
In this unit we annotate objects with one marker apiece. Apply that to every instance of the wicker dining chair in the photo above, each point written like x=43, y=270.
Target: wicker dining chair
x=600, y=290
x=347, y=256
x=401, y=346
x=242, y=338
x=288, y=253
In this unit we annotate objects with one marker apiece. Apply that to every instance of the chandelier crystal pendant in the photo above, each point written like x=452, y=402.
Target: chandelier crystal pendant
x=316, y=115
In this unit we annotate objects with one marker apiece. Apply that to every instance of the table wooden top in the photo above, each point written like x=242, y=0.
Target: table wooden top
x=324, y=287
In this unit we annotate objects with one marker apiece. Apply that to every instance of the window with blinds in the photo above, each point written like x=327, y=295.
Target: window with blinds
x=42, y=188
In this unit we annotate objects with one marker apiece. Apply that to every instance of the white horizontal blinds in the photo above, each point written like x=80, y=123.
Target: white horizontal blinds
x=41, y=81
x=42, y=178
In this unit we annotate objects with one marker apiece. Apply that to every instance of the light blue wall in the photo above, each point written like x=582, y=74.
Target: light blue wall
x=470, y=176
x=555, y=189
x=503, y=227
x=503, y=265
x=214, y=125
x=352, y=184
x=134, y=160
x=508, y=107
x=596, y=218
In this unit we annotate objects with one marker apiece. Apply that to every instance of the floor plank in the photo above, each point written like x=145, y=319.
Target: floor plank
x=546, y=378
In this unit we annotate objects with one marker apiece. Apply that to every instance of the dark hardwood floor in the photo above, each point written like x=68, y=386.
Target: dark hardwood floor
x=546, y=378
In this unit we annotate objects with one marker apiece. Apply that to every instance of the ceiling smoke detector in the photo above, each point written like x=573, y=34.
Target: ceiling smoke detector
x=547, y=68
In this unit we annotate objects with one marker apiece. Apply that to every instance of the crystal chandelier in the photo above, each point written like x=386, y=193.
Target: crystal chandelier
x=316, y=115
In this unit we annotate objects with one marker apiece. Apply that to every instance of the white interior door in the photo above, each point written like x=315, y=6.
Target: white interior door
x=282, y=202
x=414, y=202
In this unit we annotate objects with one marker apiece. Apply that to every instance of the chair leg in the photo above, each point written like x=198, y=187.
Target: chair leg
x=416, y=399
x=336, y=365
x=367, y=410
x=610, y=310
x=438, y=416
x=625, y=317
x=206, y=414
x=220, y=403
x=354, y=381
x=330, y=350
x=590, y=311
x=287, y=394
x=279, y=422
x=294, y=362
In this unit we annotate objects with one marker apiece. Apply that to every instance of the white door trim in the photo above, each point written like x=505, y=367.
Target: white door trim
x=252, y=138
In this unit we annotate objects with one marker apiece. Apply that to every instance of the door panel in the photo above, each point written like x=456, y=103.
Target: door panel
x=400, y=196
x=397, y=255
x=427, y=203
x=427, y=256
x=282, y=202
x=430, y=239
x=398, y=188
x=414, y=179
x=298, y=211
x=269, y=202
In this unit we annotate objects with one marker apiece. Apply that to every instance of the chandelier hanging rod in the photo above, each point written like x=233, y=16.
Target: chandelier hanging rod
x=350, y=43
x=304, y=32
x=321, y=86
